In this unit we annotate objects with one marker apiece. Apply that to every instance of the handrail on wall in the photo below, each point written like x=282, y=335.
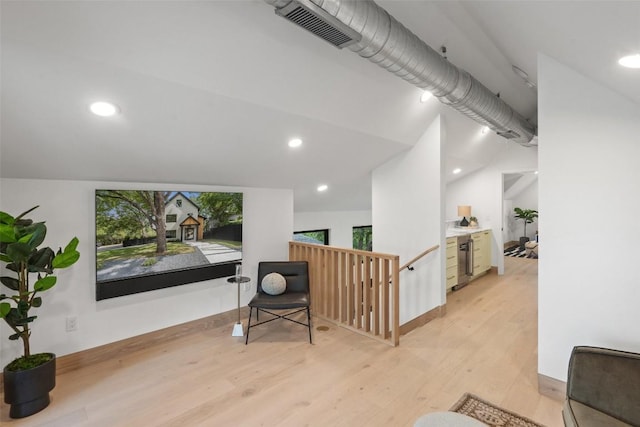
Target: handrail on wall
x=422, y=254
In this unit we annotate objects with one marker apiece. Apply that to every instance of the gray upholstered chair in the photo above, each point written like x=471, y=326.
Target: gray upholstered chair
x=295, y=298
x=603, y=388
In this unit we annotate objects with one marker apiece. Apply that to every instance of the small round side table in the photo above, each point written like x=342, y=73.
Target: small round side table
x=237, y=328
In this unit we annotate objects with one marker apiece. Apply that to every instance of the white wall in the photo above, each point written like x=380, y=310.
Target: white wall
x=68, y=208
x=407, y=219
x=589, y=286
x=483, y=191
x=528, y=198
x=339, y=223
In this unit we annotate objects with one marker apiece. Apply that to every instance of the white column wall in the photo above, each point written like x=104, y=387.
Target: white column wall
x=589, y=288
x=68, y=207
x=407, y=219
x=339, y=223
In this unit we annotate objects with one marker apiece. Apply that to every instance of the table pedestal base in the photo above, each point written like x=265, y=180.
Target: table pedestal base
x=237, y=330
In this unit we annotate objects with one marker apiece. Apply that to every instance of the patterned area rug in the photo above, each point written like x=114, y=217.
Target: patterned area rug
x=474, y=407
x=515, y=251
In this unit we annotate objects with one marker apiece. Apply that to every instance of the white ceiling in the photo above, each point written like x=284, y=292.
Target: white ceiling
x=211, y=91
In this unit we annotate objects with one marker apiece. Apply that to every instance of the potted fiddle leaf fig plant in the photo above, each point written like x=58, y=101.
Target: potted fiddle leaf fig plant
x=528, y=216
x=27, y=273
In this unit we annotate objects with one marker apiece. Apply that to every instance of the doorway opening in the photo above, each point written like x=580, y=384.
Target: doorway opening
x=519, y=190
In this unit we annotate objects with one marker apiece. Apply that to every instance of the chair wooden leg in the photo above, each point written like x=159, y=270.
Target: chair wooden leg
x=248, y=326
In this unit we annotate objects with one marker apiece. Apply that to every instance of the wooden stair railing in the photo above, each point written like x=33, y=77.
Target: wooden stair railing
x=343, y=292
x=334, y=273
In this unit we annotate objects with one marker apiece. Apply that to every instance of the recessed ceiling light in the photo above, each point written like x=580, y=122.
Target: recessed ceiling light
x=536, y=172
x=484, y=129
x=630, y=61
x=425, y=96
x=104, y=109
x=295, y=142
x=323, y=187
x=457, y=171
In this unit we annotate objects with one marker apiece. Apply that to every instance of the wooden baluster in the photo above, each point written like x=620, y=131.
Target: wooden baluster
x=366, y=289
x=376, y=296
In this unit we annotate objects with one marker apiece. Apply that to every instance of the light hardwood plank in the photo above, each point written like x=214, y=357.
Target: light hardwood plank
x=486, y=344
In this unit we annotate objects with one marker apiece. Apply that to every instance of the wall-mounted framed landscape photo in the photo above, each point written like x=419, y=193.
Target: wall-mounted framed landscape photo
x=148, y=240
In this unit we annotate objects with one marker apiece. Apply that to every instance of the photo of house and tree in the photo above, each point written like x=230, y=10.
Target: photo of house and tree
x=149, y=232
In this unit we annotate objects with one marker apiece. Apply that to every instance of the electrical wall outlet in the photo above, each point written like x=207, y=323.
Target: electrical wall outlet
x=72, y=323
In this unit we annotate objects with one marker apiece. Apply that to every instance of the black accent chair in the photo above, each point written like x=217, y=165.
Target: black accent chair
x=603, y=388
x=295, y=297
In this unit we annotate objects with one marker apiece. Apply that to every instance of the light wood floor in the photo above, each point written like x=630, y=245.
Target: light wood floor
x=486, y=344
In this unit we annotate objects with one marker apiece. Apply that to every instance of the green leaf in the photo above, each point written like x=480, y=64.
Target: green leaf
x=41, y=260
x=68, y=257
x=37, y=302
x=38, y=234
x=10, y=282
x=72, y=245
x=5, y=258
x=7, y=233
x=19, y=252
x=13, y=267
x=23, y=309
x=14, y=337
x=11, y=317
x=23, y=222
x=25, y=320
x=26, y=238
x=45, y=283
x=5, y=308
x=26, y=212
x=5, y=218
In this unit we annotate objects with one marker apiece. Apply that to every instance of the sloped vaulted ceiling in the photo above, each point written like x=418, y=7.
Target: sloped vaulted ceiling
x=210, y=92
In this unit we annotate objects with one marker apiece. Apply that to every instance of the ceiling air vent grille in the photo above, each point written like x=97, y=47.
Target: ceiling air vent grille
x=313, y=19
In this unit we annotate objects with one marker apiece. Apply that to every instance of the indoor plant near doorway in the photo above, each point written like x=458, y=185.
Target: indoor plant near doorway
x=528, y=216
x=28, y=271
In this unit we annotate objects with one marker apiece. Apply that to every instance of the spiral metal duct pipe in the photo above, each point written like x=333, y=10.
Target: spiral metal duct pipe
x=369, y=30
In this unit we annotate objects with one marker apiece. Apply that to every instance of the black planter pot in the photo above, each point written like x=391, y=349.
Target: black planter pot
x=28, y=391
x=523, y=240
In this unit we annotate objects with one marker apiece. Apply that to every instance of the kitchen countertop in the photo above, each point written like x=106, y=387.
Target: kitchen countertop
x=462, y=231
